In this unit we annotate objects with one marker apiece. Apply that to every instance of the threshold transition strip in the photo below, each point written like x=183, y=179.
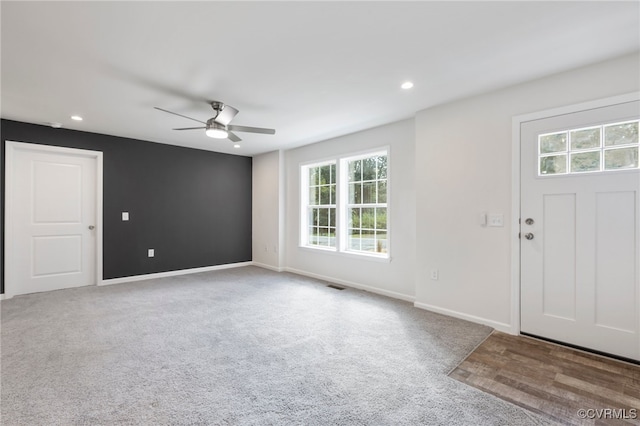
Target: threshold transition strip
x=567, y=385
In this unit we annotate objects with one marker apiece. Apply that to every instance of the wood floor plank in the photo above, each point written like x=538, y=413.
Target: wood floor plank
x=553, y=380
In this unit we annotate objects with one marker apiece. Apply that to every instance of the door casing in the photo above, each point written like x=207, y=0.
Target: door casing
x=515, y=186
x=11, y=147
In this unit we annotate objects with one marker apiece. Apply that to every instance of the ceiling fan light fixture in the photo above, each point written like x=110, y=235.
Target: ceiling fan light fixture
x=217, y=133
x=216, y=130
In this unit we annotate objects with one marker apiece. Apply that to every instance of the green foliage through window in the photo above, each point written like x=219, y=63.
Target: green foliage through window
x=362, y=181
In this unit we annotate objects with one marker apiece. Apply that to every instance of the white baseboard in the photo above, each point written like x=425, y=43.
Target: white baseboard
x=271, y=268
x=172, y=273
x=500, y=326
x=351, y=284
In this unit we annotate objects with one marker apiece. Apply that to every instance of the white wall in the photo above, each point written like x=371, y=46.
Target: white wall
x=394, y=278
x=463, y=167
x=267, y=210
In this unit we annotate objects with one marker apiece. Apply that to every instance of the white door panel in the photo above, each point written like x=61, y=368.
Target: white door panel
x=579, y=273
x=53, y=205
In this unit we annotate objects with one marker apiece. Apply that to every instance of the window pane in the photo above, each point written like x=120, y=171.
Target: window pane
x=323, y=238
x=324, y=194
x=313, y=195
x=354, y=239
x=332, y=237
x=325, y=174
x=369, y=192
x=585, y=162
x=354, y=215
x=382, y=167
x=332, y=217
x=333, y=173
x=355, y=193
x=313, y=176
x=355, y=171
x=621, y=134
x=556, y=142
x=313, y=217
x=585, y=139
x=622, y=158
x=369, y=168
x=381, y=242
x=381, y=218
x=382, y=192
x=323, y=217
x=368, y=241
x=313, y=239
x=368, y=219
x=332, y=194
x=553, y=165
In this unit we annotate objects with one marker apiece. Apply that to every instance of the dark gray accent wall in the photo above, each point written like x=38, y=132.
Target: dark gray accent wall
x=192, y=206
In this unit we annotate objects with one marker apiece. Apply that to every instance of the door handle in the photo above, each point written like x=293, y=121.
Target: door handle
x=528, y=236
x=91, y=227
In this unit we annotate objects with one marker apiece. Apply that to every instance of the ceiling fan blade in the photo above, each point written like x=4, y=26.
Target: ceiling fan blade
x=251, y=129
x=189, y=128
x=179, y=115
x=233, y=137
x=226, y=115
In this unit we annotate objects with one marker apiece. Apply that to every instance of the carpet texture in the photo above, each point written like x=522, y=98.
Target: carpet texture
x=240, y=346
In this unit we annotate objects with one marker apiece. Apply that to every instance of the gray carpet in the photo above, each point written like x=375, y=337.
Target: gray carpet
x=241, y=346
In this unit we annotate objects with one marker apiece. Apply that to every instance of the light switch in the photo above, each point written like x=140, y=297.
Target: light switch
x=482, y=219
x=152, y=252
x=496, y=219
x=125, y=216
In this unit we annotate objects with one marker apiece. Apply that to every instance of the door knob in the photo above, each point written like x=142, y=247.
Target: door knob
x=529, y=221
x=91, y=227
x=529, y=236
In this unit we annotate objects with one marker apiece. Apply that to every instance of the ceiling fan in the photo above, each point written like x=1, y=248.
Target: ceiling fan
x=218, y=126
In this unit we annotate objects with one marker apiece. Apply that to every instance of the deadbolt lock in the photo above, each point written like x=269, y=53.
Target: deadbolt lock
x=529, y=221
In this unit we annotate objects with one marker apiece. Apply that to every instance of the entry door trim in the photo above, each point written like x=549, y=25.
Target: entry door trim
x=516, y=123
x=11, y=148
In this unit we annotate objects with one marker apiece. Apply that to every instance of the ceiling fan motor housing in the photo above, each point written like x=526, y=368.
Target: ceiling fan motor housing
x=212, y=124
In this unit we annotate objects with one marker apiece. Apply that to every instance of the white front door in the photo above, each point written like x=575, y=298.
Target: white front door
x=51, y=218
x=580, y=236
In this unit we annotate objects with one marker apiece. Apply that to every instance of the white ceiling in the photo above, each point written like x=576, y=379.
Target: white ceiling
x=311, y=70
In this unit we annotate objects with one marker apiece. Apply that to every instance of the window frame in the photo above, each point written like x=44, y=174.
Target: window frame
x=342, y=205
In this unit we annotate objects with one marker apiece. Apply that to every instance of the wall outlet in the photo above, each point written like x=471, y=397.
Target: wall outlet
x=434, y=274
x=125, y=216
x=151, y=252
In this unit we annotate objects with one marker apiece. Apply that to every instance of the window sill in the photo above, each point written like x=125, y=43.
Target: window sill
x=335, y=252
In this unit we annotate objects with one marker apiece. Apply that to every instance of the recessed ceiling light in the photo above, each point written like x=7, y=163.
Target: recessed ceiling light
x=407, y=85
x=236, y=145
x=76, y=118
x=55, y=125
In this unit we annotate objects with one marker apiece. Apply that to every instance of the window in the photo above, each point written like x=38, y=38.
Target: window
x=344, y=204
x=321, y=205
x=367, y=204
x=593, y=149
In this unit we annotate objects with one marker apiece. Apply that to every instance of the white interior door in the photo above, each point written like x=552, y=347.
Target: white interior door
x=51, y=218
x=580, y=250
